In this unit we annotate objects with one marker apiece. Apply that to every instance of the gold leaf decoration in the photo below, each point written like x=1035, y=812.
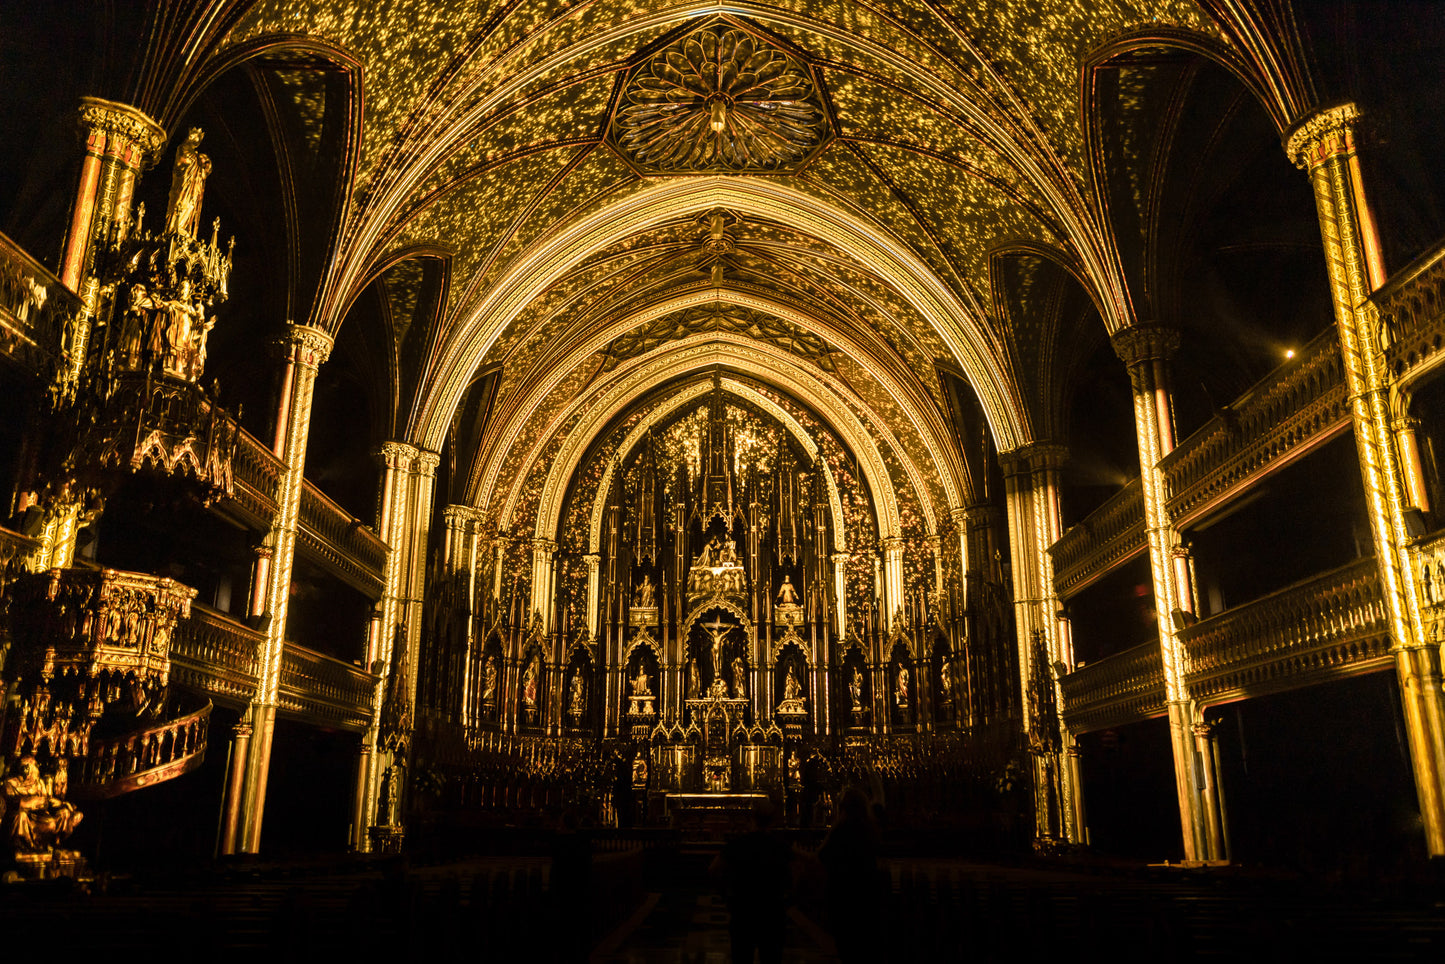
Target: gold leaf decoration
x=719, y=99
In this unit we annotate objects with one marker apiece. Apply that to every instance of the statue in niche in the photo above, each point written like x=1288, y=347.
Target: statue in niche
x=646, y=597
x=787, y=596
x=792, y=689
x=694, y=680
x=717, y=630
x=579, y=694
x=489, y=681
x=902, y=690
x=855, y=689
x=641, y=685
x=188, y=183
x=529, y=684
x=740, y=678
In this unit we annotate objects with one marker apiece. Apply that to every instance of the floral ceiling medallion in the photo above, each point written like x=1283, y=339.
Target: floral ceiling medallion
x=720, y=99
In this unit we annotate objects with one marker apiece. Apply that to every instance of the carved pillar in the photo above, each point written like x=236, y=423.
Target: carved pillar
x=1146, y=350
x=840, y=592
x=594, y=574
x=306, y=348
x=1417, y=493
x=1206, y=742
x=892, y=580
x=544, y=556
x=1031, y=484
x=1324, y=145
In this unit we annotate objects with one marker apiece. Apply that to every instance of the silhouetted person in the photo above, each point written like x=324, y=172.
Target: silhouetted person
x=850, y=857
x=571, y=885
x=622, y=794
x=756, y=871
x=813, y=777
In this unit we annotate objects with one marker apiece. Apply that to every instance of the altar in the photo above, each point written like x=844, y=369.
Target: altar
x=713, y=814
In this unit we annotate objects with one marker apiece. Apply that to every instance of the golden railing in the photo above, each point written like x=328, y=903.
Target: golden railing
x=217, y=655
x=134, y=760
x=1410, y=310
x=1112, y=534
x=34, y=309
x=257, y=472
x=1326, y=627
x=331, y=536
x=321, y=689
x=1123, y=688
x=1292, y=410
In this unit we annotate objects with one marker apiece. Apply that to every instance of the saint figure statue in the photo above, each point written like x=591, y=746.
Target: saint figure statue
x=188, y=183
x=645, y=594
x=694, y=681
x=792, y=689
x=579, y=699
x=740, y=678
x=489, y=682
x=902, y=686
x=855, y=688
x=787, y=596
x=37, y=816
x=640, y=684
x=529, y=684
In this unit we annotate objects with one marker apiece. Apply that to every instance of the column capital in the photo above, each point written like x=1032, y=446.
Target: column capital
x=892, y=543
x=1142, y=343
x=1322, y=135
x=1031, y=456
x=425, y=462
x=541, y=544
x=307, y=345
x=397, y=455
x=125, y=123
x=463, y=517
x=593, y=560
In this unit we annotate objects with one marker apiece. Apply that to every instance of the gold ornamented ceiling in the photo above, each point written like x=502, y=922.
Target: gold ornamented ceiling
x=885, y=153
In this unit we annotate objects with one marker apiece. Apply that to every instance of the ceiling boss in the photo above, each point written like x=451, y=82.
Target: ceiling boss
x=719, y=99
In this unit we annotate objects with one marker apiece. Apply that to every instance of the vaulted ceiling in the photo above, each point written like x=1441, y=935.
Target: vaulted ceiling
x=840, y=199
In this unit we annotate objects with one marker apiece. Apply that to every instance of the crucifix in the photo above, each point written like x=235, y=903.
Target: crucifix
x=718, y=630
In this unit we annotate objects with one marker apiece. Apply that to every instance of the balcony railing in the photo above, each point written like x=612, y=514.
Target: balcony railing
x=1411, y=313
x=34, y=309
x=1111, y=535
x=217, y=655
x=320, y=689
x=1294, y=409
x=1124, y=688
x=1329, y=626
x=332, y=537
x=257, y=473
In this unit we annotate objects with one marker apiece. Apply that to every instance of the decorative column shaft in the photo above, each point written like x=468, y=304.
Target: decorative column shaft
x=1146, y=350
x=544, y=555
x=840, y=592
x=1324, y=145
x=594, y=573
x=306, y=349
x=1031, y=484
x=892, y=580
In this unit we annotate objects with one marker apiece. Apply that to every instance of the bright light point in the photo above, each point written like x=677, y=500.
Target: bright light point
x=1289, y=353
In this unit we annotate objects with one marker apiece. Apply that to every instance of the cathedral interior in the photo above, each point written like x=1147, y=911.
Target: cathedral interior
x=430, y=424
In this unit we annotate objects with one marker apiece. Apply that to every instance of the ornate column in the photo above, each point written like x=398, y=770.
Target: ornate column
x=306, y=349
x=1146, y=350
x=594, y=573
x=840, y=592
x=1031, y=485
x=892, y=580
x=1206, y=742
x=544, y=554
x=1324, y=145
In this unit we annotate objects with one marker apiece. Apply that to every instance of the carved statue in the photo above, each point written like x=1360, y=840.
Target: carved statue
x=489, y=682
x=902, y=692
x=694, y=680
x=37, y=816
x=795, y=771
x=740, y=678
x=529, y=684
x=717, y=630
x=641, y=686
x=579, y=697
x=646, y=594
x=855, y=689
x=188, y=183
x=787, y=596
x=792, y=689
